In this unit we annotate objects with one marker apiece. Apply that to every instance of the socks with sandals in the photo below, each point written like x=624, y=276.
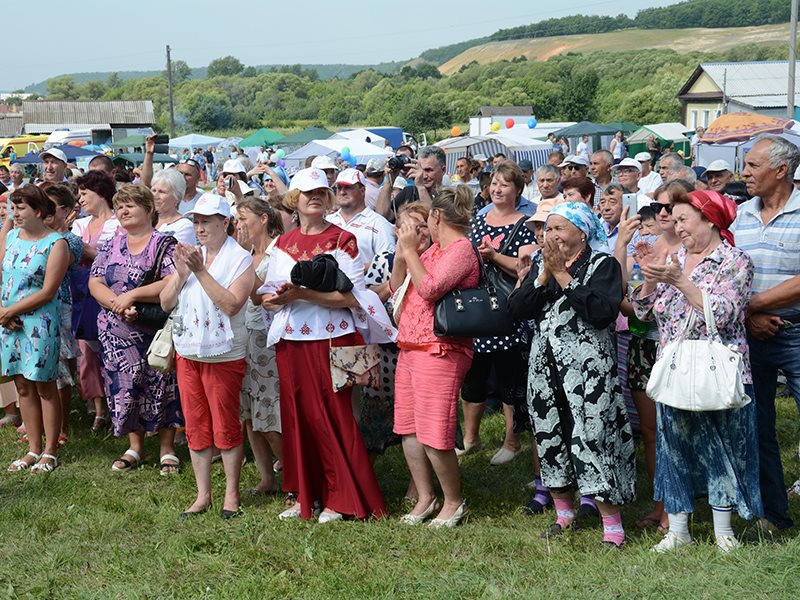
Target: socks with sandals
x=679, y=525
x=722, y=521
x=613, y=531
x=565, y=512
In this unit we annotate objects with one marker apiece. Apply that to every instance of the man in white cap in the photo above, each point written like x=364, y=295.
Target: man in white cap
x=55, y=165
x=719, y=174
x=374, y=177
x=326, y=164
x=374, y=234
x=628, y=172
x=650, y=181
x=574, y=166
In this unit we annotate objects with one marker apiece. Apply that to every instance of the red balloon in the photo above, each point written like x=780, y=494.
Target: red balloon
x=509, y=123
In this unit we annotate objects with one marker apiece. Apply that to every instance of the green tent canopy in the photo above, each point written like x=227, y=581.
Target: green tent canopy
x=626, y=127
x=584, y=128
x=309, y=134
x=262, y=137
x=137, y=158
x=131, y=141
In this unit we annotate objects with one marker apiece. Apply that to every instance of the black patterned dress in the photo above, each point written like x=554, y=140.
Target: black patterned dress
x=575, y=401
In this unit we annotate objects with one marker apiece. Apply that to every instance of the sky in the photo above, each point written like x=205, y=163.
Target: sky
x=104, y=36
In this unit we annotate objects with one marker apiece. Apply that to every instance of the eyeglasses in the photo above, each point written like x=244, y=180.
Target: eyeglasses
x=191, y=162
x=657, y=207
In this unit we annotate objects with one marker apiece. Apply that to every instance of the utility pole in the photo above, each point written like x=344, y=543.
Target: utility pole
x=792, y=62
x=169, y=93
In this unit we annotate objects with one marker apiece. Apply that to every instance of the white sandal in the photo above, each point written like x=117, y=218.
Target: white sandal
x=22, y=465
x=45, y=467
x=166, y=466
x=137, y=461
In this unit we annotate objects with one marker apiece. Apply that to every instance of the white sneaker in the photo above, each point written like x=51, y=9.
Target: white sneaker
x=727, y=543
x=670, y=542
x=794, y=489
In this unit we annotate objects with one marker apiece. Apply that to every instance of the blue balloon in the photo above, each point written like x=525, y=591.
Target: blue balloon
x=346, y=155
x=532, y=123
x=352, y=160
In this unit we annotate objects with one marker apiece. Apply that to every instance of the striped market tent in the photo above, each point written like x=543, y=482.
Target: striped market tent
x=515, y=148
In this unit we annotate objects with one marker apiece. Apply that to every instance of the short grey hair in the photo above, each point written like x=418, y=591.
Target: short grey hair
x=682, y=172
x=676, y=160
x=781, y=152
x=16, y=167
x=549, y=169
x=608, y=158
x=436, y=152
x=174, y=180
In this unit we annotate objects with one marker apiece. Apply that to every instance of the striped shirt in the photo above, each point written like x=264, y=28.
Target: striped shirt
x=774, y=247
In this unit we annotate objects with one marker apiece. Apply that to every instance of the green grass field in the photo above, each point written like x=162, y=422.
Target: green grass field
x=82, y=532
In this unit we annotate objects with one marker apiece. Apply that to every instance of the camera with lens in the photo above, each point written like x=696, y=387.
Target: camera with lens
x=399, y=161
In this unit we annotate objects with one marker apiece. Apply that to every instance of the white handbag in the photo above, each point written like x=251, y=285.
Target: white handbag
x=161, y=353
x=699, y=375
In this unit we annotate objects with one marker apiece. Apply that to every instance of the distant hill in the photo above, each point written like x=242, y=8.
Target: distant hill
x=325, y=72
x=680, y=40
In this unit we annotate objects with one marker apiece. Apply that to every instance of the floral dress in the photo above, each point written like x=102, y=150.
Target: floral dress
x=376, y=421
x=715, y=453
x=31, y=351
x=574, y=397
x=140, y=398
x=260, y=396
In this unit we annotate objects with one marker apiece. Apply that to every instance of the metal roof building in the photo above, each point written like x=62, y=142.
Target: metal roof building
x=717, y=88
x=45, y=116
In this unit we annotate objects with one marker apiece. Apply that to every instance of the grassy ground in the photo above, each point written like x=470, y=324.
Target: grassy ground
x=85, y=533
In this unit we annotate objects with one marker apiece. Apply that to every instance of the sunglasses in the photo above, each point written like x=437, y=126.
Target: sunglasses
x=572, y=168
x=657, y=207
x=189, y=161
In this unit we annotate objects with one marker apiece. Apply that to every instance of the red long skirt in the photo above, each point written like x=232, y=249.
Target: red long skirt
x=324, y=457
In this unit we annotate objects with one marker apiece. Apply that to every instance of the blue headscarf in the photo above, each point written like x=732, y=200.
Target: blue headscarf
x=580, y=215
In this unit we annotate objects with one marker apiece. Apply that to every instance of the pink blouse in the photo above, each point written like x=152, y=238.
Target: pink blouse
x=455, y=267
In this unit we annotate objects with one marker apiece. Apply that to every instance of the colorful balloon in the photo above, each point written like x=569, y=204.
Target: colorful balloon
x=496, y=126
x=281, y=162
x=346, y=150
x=280, y=153
x=455, y=131
x=532, y=123
x=509, y=123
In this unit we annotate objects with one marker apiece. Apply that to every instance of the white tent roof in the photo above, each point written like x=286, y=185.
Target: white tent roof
x=333, y=147
x=361, y=135
x=194, y=140
x=666, y=131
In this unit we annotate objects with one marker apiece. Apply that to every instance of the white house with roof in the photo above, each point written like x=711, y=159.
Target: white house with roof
x=720, y=88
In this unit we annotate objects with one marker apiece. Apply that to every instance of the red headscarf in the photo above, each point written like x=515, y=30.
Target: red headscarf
x=718, y=209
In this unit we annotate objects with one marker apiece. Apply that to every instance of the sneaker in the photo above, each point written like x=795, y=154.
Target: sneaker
x=727, y=543
x=794, y=489
x=670, y=542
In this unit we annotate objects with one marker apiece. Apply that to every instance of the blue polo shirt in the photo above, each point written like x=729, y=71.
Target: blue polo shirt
x=774, y=247
x=525, y=206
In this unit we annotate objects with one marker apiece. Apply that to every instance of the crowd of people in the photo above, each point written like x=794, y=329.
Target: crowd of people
x=305, y=317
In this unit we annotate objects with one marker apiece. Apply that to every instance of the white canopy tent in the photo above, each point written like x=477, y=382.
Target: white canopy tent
x=364, y=135
x=194, y=140
x=333, y=148
x=514, y=147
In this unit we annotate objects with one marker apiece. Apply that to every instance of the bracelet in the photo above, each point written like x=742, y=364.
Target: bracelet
x=389, y=284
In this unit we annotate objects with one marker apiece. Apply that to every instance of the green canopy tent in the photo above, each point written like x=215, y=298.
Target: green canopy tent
x=262, y=137
x=131, y=141
x=595, y=131
x=668, y=135
x=309, y=134
x=137, y=158
x=626, y=127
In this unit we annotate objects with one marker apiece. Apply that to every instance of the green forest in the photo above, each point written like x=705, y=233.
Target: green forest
x=638, y=86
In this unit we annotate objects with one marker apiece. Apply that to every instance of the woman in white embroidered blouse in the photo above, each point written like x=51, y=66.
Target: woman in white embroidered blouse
x=324, y=457
x=209, y=290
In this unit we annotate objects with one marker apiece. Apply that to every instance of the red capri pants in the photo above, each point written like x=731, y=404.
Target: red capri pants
x=210, y=402
x=426, y=388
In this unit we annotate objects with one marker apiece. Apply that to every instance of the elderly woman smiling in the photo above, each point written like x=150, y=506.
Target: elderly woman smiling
x=574, y=291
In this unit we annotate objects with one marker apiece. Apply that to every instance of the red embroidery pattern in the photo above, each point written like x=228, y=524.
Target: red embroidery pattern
x=344, y=324
x=305, y=329
x=289, y=330
x=371, y=310
x=330, y=327
x=317, y=250
x=293, y=249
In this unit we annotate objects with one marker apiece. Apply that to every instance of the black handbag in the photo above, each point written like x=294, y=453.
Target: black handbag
x=150, y=314
x=473, y=313
x=498, y=278
x=321, y=273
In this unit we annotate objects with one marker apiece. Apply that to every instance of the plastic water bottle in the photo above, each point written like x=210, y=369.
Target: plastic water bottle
x=636, y=327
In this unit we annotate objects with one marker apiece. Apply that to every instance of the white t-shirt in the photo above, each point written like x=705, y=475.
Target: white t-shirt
x=582, y=150
x=187, y=205
x=374, y=234
x=181, y=229
x=651, y=183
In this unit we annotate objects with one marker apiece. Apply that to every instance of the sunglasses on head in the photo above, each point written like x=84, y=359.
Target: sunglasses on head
x=189, y=161
x=657, y=207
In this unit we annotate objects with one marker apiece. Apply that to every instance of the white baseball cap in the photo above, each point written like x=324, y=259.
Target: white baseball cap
x=719, y=165
x=400, y=182
x=306, y=180
x=350, y=177
x=480, y=157
x=211, y=204
x=643, y=156
x=233, y=166
x=376, y=165
x=323, y=162
x=573, y=159
x=55, y=153
x=628, y=162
